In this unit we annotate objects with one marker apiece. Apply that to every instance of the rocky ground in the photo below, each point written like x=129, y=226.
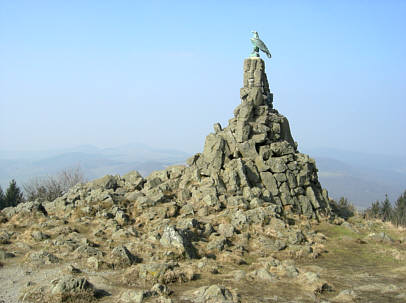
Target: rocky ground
x=246, y=220
x=118, y=251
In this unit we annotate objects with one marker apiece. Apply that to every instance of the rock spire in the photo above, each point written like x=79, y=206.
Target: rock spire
x=255, y=156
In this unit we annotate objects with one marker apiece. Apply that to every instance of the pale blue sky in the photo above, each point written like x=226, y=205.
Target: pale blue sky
x=162, y=73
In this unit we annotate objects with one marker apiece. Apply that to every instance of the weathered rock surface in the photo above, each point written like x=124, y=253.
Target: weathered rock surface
x=241, y=199
x=214, y=294
x=71, y=286
x=256, y=152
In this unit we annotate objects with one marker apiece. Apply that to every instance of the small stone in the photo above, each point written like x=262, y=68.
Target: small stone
x=123, y=257
x=227, y=230
x=6, y=255
x=262, y=275
x=132, y=296
x=346, y=295
x=39, y=235
x=238, y=275
x=43, y=257
x=72, y=269
x=218, y=244
x=160, y=289
x=214, y=294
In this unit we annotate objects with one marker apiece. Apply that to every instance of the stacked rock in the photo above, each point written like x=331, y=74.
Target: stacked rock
x=251, y=170
x=255, y=156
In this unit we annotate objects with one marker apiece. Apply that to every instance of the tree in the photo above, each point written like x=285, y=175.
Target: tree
x=399, y=211
x=13, y=195
x=376, y=209
x=68, y=178
x=386, y=210
x=52, y=187
x=44, y=189
x=374, y=212
x=2, y=198
x=343, y=208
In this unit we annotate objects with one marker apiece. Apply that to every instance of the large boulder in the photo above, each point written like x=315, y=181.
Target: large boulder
x=72, y=286
x=173, y=237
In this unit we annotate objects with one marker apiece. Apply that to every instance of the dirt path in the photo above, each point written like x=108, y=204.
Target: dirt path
x=14, y=277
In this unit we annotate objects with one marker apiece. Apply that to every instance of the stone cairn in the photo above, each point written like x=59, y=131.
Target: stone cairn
x=255, y=158
x=235, y=203
x=251, y=170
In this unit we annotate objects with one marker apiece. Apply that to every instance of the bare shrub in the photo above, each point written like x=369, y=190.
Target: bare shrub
x=46, y=188
x=68, y=178
x=51, y=187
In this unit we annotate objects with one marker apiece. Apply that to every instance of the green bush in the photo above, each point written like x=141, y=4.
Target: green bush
x=12, y=197
x=343, y=208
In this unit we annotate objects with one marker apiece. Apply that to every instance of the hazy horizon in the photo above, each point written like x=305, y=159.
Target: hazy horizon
x=161, y=74
x=361, y=177
x=68, y=148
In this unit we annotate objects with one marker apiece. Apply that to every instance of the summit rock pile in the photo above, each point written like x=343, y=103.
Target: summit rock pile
x=228, y=215
x=255, y=157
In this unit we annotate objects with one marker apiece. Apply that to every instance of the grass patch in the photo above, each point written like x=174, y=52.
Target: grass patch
x=337, y=231
x=344, y=249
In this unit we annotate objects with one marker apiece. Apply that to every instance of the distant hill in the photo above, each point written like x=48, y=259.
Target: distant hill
x=362, y=178
x=95, y=162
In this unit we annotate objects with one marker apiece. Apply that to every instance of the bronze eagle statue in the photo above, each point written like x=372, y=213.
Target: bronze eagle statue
x=258, y=45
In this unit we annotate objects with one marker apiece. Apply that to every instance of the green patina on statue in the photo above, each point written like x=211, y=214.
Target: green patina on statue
x=258, y=45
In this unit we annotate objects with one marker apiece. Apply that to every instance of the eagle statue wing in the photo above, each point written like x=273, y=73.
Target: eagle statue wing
x=261, y=45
